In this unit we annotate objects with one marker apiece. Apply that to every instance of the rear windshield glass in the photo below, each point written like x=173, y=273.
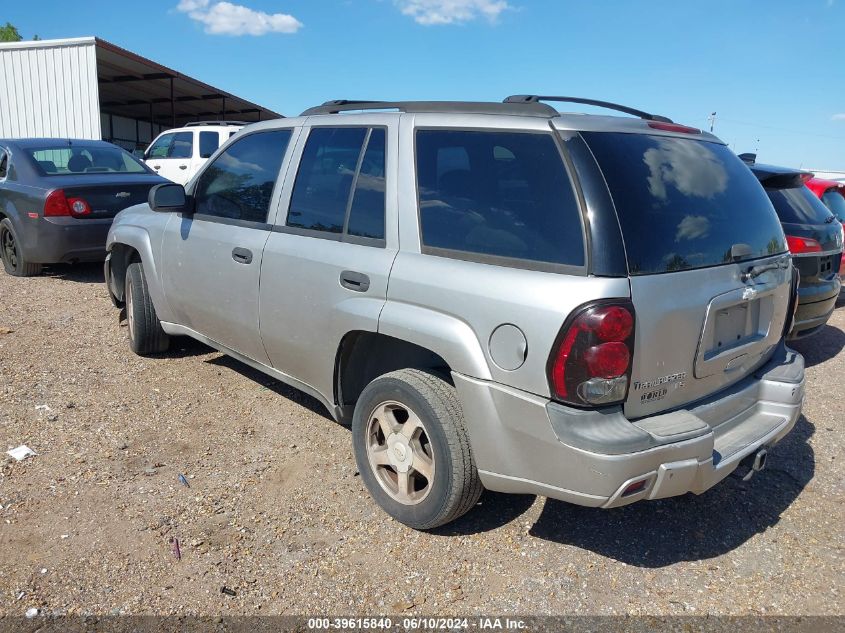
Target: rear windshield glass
x=836, y=203
x=684, y=203
x=61, y=161
x=497, y=194
x=798, y=205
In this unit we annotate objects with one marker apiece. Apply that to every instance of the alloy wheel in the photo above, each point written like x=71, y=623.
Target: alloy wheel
x=400, y=453
x=10, y=250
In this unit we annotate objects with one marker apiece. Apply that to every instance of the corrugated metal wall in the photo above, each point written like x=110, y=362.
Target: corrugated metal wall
x=49, y=91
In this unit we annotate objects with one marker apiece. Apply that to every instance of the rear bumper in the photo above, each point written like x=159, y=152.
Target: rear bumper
x=59, y=240
x=815, y=305
x=526, y=444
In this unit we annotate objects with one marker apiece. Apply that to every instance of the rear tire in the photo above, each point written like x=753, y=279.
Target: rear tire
x=412, y=449
x=145, y=333
x=10, y=252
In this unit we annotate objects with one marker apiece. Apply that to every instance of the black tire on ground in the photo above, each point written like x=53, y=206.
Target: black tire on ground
x=455, y=486
x=145, y=334
x=11, y=254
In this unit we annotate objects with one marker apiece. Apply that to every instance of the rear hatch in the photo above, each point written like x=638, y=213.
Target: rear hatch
x=708, y=265
x=813, y=234
x=107, y=195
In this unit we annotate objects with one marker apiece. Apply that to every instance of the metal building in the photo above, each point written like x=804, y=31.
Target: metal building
x=88, y=88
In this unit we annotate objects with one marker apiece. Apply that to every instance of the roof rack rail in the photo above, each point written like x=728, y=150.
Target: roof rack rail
x=459, y=107
x=223, y=123
x=593, y=102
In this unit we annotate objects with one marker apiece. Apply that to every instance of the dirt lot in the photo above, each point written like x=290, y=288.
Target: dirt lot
x=276, y=512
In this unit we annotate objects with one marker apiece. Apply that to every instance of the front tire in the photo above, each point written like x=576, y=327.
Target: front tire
x=14, y=262
x=146, y=335
x=412, y=449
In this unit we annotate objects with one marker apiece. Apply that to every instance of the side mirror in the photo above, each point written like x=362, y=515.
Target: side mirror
x=168, y=198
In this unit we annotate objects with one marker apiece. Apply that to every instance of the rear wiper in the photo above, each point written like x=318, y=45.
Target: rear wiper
x=756, y=271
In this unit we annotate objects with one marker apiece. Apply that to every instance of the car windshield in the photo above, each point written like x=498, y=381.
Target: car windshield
x=84, y=159
x=684, y=203
x=835, y=202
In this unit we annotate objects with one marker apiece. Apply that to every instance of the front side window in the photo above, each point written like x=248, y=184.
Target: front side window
x=499, y=194
x=161, y=147
x=340, y=185
x=209, y=142
x=238, y=185
x=4, y=164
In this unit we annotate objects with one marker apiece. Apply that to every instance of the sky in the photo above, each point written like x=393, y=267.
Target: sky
x=772, y=70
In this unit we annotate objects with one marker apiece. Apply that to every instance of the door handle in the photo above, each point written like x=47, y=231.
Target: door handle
x=242, y=255
x=359, y=282
x=156, y=167
x=183, y=166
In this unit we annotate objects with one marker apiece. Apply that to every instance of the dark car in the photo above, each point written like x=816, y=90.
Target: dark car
x=814, y=237
x=58, y=198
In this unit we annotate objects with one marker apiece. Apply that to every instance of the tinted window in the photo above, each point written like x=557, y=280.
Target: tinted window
x=836, y=203
x=209, y=142
x=497, y=193
x=324, y=180
x=79, y=159
x=4, y=162
x=239, y=183
x=182, y=146
x=798, y=205
x=366, y=217
x=683, y=203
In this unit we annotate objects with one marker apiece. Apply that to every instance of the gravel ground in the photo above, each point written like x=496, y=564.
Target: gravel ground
x=276, y=512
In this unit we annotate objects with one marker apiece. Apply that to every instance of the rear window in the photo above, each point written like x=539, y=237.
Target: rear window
x=798, y=205
x=497, y=195
x=684, y=203
x=79, y=159
x=834, y=201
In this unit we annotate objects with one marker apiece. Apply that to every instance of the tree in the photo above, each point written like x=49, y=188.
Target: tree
x=9, y=33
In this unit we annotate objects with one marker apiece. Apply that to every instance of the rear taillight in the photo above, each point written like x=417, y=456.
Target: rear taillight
x=56, y=204
x=590, y=363
x=802, y=245
x=673, y=127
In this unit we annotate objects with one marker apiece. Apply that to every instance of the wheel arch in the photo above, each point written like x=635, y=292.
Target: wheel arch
x=127, y=244
x=364, y=356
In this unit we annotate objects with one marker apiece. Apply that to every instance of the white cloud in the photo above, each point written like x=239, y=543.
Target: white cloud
x=225, y=18
x=838, y=117
x=431, y=12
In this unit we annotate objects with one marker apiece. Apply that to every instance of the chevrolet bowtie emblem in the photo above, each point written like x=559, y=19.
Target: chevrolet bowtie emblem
x=748, y=294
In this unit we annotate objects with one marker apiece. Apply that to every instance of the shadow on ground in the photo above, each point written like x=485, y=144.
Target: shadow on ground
x=660, y=533
x=276, y=386
x=821, y=346
x=87, y=273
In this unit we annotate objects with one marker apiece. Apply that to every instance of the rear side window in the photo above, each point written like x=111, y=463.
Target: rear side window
x=834, y=201
x=684, y=203
x=340, y=185
x=497, y=194
x=798, y=205
x=366, y=216
x=209, y=142
x=238, y=185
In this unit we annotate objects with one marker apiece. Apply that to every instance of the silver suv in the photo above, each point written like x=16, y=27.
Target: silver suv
x=494, y=295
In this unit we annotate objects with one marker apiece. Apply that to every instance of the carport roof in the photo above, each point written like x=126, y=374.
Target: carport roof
x=139, y=88
x=131, y=85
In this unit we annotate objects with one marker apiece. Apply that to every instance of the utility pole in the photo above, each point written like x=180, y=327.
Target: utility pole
x=712, y=119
